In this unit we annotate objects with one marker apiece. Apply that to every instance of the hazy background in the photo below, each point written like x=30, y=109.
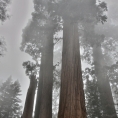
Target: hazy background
x=11, y=63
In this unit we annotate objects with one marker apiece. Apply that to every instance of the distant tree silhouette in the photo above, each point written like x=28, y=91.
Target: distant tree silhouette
x=3, y=16
x=3, y=8
x=9, y=99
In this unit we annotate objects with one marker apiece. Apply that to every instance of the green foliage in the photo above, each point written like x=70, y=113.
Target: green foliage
x=82, y=10
x=56, y=92
x=93, y=99
x=92, y=95
x=2, y=46
x=31, y=68
x=44, y=20
x=9, y=99
x=3, y=16
x=112, y=74
x=31, y=39
x=3, y=9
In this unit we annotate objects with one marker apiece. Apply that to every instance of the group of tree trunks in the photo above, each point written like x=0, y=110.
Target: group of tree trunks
x=72, y=100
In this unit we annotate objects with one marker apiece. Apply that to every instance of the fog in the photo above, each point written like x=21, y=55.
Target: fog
x=25, y=36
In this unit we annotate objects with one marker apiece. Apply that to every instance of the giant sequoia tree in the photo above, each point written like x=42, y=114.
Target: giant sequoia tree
x=72, y=95
x=29, y=103
x=97, y=46
x=41, y=30
x=103, y=84
x=106, y=99
x=96, y=43
x=38, y=42
x=31, y=44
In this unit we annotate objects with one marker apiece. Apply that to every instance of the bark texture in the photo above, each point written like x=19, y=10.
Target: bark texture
x=103, y=84
x=44, y=95
x=29, y=103
x=47, y=77
x=72, y=101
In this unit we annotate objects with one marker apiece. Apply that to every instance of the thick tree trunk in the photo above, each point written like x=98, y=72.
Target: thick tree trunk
x=72, y=101
x=103, y=84
x=28, y=108
x=44, y=95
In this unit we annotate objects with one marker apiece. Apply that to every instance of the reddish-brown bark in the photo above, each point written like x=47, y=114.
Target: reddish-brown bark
x=72, y=101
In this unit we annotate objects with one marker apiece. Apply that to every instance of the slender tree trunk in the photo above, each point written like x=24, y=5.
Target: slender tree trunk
x=47, y=75
x=72, y=101
x=39, y=91
x=28, y=108
x=103, y=84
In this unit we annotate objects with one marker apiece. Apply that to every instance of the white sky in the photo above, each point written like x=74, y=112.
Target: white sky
x=11, y=63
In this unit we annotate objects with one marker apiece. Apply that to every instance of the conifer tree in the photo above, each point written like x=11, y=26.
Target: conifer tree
x=9, y=99
x=3, y=16
x=93, y=102
x=72, y=103
x=29, y=102
x=4, y=9
x=42, y=27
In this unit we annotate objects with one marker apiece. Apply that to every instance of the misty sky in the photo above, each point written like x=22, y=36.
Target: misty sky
x=11, y=63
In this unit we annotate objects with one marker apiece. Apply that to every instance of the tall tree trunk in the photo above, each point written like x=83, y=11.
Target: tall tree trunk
x=72, y=101
x=28, y=108
x=47, y=75
x=44, y=95
x=103, y=84
x=39, y=91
